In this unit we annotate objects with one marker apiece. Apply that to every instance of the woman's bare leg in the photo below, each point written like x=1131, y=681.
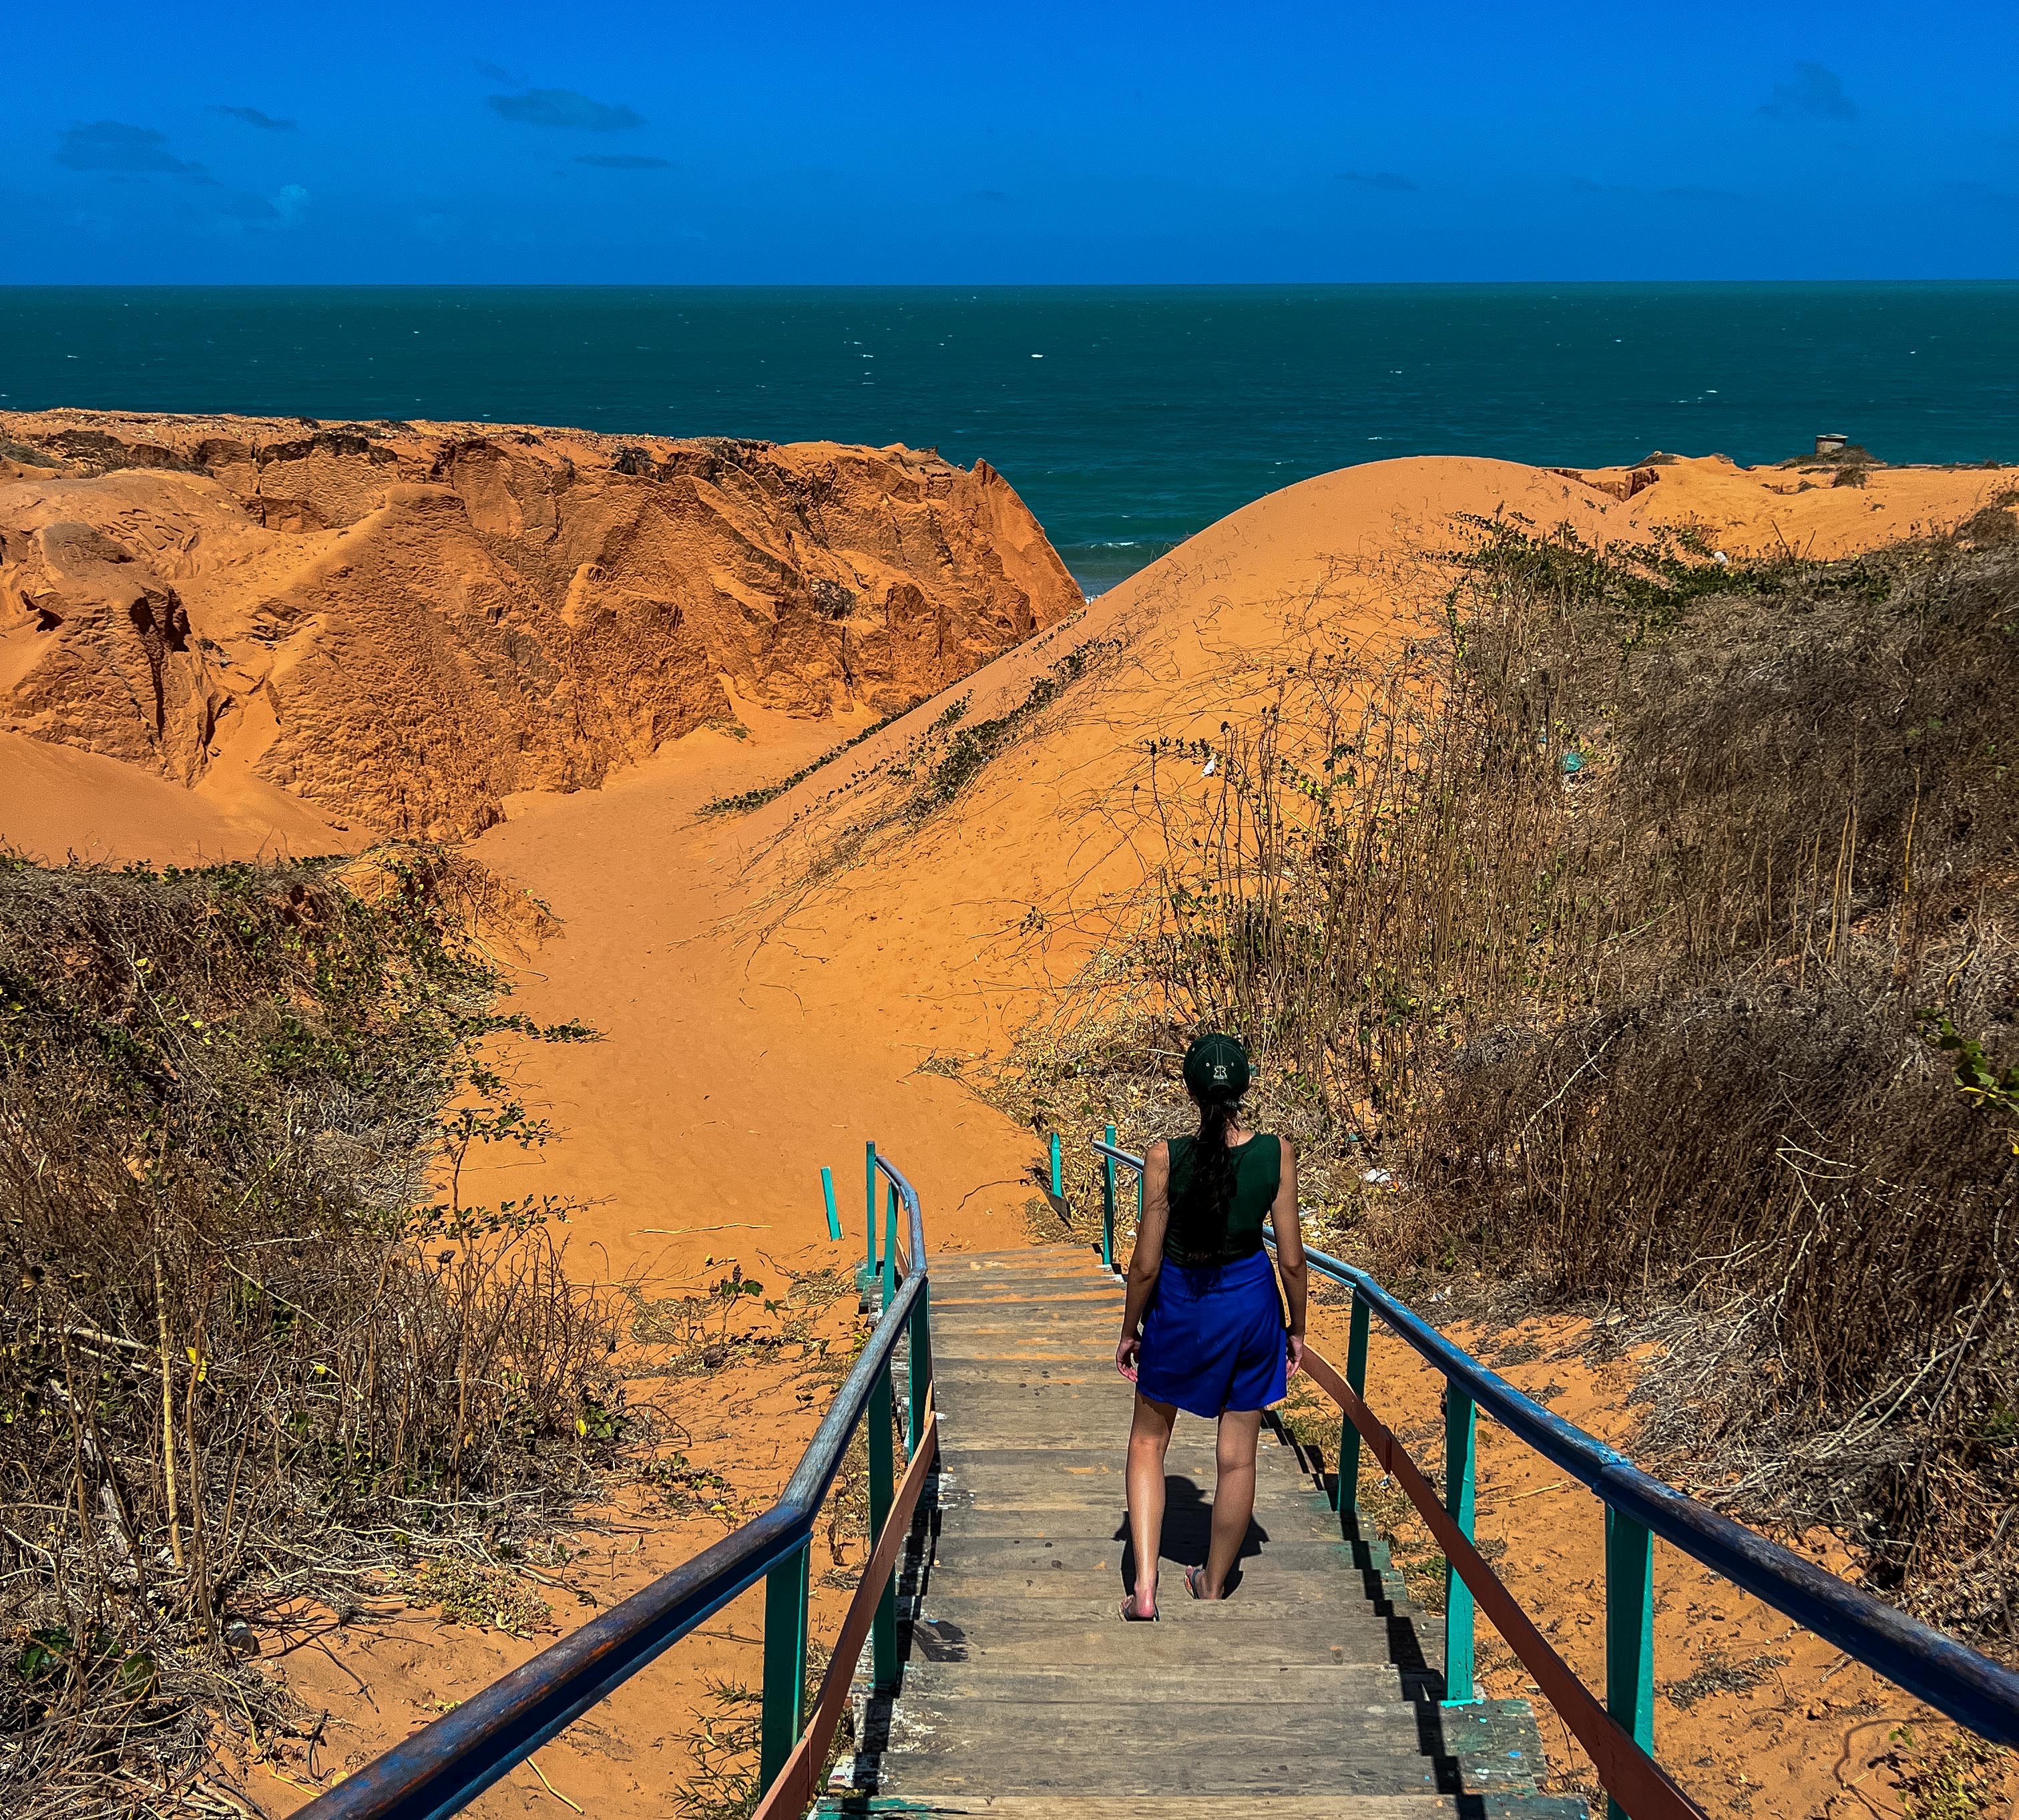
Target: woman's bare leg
x=1233, y=1497
x=1149, y=1437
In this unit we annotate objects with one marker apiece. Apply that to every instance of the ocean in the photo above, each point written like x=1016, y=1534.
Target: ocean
x=1127, y=417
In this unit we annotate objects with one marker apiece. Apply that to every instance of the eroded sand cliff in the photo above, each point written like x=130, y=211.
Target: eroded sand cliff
x=400, y=624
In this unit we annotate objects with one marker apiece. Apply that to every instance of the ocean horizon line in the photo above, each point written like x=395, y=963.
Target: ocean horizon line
x=1008, y=284
x=1128, y=417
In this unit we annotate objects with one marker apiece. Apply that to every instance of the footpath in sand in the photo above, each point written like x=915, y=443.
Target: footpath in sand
x=756, y=1027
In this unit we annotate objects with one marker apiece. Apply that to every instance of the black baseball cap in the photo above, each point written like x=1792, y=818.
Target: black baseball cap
x=1216, y=1068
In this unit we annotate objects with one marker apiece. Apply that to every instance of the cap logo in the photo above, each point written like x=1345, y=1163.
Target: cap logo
x=1220, y=1071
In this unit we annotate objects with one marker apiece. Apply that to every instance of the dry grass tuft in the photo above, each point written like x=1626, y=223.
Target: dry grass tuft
x=251, y=1357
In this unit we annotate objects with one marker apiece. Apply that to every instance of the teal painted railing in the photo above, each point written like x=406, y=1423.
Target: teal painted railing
x=1619, y=1737
x=1110, y=1156
x=447, y=1765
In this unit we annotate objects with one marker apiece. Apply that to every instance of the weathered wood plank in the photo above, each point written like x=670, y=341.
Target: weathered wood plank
x=1116, y=1766
x=1193, y=1683
x=1281, y=1596
x=962, y=1551
x=1102, y=1647
x=1298, y=1807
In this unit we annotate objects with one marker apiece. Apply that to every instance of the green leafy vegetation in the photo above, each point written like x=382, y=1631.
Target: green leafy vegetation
x=970, y=746
x=1979, y=1078
x=743, y=801
x=1951, y=1778
x=487, y=1598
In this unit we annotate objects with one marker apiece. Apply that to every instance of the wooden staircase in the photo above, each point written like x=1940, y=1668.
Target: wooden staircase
x=1310, y=1695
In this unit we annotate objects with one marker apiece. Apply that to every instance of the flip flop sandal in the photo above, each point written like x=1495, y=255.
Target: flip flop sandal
x=1193, y=1576
x=1131, y=1615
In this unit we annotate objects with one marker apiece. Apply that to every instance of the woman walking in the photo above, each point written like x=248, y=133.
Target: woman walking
x=1203, y=1329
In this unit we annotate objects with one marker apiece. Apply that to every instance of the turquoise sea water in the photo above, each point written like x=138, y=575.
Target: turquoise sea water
x=1128, y=418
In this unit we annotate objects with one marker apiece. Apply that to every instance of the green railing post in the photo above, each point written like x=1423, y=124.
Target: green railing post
x=922, y=1363
x=883, y=1627
x=1629, y=1634
x=1461, y=1433
x=826, y=1198
x=869, y=1218
x=1345, y=1495
x=890, y=1250
x=1058, y=1174
x=1108, y=1207
x=784, y=1661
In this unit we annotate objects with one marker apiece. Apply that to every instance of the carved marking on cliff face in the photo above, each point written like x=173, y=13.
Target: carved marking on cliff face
x=163, y=627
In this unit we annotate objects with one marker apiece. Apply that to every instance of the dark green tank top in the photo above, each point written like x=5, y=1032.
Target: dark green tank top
x=1258, y=1172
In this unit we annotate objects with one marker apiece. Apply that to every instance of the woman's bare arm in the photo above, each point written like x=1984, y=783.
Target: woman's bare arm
x=1146, y=1262
x=1290, y=1264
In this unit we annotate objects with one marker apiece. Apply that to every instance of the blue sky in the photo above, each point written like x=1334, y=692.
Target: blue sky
x=1009, y=143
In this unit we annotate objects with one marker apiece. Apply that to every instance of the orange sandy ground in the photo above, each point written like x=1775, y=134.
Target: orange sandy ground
x=749, y=1039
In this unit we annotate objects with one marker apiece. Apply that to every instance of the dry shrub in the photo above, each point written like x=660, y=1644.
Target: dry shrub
x=1616, y=914
x=247, y=1361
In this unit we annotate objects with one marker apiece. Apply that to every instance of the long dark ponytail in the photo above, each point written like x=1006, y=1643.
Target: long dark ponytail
x=1200, y=1207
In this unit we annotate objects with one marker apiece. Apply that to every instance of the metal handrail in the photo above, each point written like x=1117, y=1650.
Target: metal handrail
x=450, y=1762
x=1970, y=1688
x=1956, y=1680
x=1109, y=1155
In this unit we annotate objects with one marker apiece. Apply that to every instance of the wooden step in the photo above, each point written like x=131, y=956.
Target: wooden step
x=1165, y=1724
x=1103, y=1644
x=1298, y=1807
x=1081, y=1267
x=1095, y=1598
x=1108, y=1764
x=1014, y=1558
x=1080, y=1458
x=1223, y=1684
x=980, y=1530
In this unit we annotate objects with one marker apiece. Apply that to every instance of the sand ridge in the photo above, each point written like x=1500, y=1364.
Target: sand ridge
x=1004, y=895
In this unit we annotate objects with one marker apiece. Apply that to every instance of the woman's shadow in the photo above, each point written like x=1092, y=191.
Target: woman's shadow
x=1187, y=1534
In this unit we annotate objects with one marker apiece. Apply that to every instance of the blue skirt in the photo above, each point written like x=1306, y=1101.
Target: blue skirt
x=1213, y=1338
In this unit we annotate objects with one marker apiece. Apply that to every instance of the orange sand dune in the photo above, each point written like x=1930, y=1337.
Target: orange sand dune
x=752, y=1037
x=56, y=802
x=748, y=1045
x=959, y=937
x=403, y=623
